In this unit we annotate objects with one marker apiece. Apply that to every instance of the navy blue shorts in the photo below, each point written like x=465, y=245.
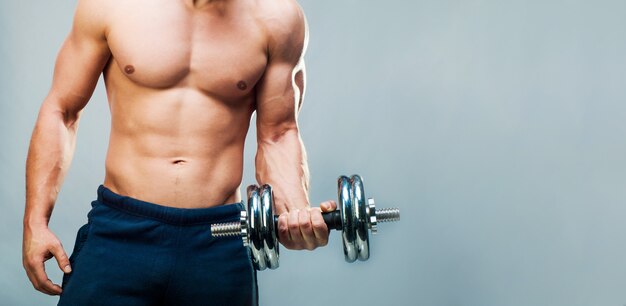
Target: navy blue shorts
x=137, y=253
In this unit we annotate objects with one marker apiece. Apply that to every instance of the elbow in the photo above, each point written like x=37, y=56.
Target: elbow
x=56, y=110
x=277, y=133
x=70, y=119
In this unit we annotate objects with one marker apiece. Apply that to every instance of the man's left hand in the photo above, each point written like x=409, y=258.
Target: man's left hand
x=304, y=228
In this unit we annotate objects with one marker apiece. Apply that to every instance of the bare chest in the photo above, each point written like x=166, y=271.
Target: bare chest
x=166, y=46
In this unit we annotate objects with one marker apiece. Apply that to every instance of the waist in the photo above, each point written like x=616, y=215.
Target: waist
x=184, y=182
x=167, y=214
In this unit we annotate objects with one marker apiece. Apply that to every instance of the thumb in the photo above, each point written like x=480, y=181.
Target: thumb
x=328, y=206
x=61, y=257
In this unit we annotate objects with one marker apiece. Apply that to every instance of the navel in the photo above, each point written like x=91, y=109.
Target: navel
x=129, y=69
x=242, y=85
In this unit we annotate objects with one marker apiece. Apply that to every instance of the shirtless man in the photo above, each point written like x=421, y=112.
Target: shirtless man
x=183, y=79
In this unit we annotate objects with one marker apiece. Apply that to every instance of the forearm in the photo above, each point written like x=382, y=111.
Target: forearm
x=281, y=162
x=49, y=156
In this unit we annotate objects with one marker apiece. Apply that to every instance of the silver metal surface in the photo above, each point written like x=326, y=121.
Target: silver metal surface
x=270, y=241
x=388, y=215
x=255, y=223
x=371, y=212
x=244, y=231
x=228, y=229
x=348, y=233
x=361, y=218
x=257, y=229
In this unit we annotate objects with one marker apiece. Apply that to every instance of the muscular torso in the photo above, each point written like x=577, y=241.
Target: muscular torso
x=181, y=87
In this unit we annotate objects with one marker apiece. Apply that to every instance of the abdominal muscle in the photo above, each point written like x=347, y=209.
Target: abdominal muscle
x=178, y=147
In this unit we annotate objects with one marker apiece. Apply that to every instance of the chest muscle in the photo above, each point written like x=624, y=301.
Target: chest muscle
x=168, y=46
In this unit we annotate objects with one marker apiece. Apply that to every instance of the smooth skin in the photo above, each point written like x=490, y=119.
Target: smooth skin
x=183, y=80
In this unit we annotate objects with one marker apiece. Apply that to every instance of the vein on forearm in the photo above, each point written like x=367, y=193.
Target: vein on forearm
x=281, y=162
x=50, y=153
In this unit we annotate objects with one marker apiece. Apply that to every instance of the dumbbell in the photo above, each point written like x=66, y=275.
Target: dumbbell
x=258, y=226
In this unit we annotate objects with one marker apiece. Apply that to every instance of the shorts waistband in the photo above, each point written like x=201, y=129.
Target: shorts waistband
x=172, y=215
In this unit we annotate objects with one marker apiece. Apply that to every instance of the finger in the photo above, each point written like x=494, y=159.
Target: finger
x=308, y=237
x=320, y=229
x=52, y=288
x=329, y=205
x=41, y=281
x=295, y=236
x=30, y=265
x=31, y=277
x=61, y=257
x=283, y=229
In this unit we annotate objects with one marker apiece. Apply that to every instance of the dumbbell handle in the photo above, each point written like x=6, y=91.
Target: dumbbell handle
x=332, y=220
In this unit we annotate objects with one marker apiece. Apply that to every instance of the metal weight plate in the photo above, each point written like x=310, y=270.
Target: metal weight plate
x=270, y=242
x=255, y=224
x=348, y=234
x=361, y=217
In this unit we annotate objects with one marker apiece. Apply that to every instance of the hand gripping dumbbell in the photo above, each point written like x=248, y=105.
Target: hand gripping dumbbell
x=258, y=224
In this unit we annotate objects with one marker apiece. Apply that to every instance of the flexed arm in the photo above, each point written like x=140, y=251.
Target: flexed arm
x=281, y=156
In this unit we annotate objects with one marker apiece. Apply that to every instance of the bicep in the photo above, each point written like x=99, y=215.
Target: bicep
x=279, y=97
x=79, y=64
x=281, y=89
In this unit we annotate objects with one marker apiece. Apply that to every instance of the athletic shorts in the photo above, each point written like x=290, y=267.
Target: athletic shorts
x=135, y=253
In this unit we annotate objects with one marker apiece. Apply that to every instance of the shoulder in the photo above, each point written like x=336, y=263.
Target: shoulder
x=90, y=17
x=280, y=12
x=285, y=24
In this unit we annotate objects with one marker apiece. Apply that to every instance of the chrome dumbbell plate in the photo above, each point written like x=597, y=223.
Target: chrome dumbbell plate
x=348, y=232
x=355, y=218
x=262, y=240
x=270, y=239
x=361, y=217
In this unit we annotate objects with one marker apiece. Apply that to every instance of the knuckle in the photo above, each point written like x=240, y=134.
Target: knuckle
x=283, y=225
x=306, y=225
x=31, y=263
x=55, y=244
x=62, y=257
x=318, y=223
x=283, y=230
x=294, y=226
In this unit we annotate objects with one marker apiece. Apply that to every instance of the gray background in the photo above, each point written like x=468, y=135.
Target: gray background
x=498, y=127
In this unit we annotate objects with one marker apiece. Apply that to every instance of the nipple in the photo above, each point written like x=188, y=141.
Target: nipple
x=242, y=85
x=129, y=69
